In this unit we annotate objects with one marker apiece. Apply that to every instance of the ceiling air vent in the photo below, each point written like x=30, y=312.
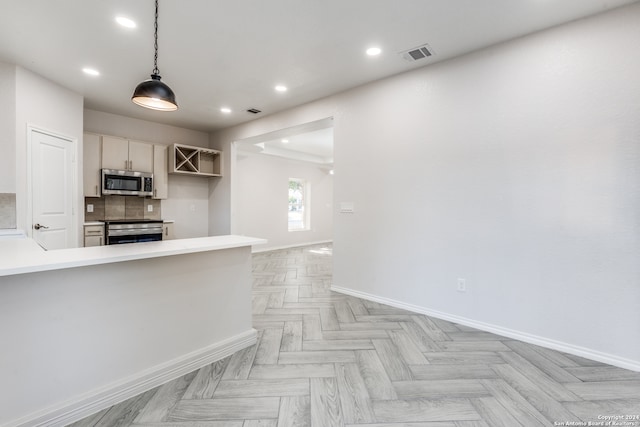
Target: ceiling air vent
x=417, y=53
x=253, y=111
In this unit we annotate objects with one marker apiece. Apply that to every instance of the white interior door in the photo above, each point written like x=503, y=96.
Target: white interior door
x=52, y=183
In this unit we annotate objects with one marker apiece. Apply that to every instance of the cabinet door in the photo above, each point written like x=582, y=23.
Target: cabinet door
x=91, y=164
x=160, y=173
x=94, y=235
x=115, y=153
x=167, y=231
x=140, y=156
x=93, y=241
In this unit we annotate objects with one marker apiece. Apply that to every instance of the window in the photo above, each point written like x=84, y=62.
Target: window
x=298, y=204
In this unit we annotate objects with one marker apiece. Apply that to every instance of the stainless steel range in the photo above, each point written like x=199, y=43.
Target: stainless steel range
x=133, y=231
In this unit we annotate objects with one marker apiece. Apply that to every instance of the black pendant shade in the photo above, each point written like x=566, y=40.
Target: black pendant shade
x=154, y=94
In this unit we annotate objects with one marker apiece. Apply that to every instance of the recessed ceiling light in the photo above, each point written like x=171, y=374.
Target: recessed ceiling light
x=125, y=22
x=374, y=51
x=91, y=71
x=225, y=110
x=284, y=141
x=281, y=88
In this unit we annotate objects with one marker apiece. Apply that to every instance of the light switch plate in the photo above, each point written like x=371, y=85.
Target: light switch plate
x=89, y=208
x=347, y=207
x=149, y=208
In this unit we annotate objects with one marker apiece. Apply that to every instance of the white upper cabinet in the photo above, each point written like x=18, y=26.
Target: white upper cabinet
x=140, y=156
x=115, y=153
x=112, y=152
x=160, y=173
x=123, y=154
x=91, y=164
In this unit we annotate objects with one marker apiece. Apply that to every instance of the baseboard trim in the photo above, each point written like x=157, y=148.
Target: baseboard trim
x=499, y=330
x=256, y=250
x=99, y=399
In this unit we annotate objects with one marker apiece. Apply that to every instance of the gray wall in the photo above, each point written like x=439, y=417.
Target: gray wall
x=50, y=107
x=8, y=128
x=8, y=146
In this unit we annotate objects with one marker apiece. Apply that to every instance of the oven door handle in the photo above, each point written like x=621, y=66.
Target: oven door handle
x=131, y=232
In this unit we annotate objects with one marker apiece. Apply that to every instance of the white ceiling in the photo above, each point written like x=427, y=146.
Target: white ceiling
x=318, y=143
x=310, y=142
x=232, y=53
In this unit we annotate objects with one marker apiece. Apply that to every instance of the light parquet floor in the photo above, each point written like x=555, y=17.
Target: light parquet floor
x=325, y=359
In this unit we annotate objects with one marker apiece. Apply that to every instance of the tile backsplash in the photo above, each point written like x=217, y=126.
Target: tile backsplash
x=121, y=207
x=114, y=207
x=97, y=205
x=134, y=207
x=7, y=210
x=104, y=208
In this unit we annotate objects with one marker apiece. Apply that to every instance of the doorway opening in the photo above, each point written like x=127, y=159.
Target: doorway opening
x=282, y=186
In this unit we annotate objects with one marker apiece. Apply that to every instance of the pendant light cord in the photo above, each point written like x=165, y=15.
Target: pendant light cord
x=155, y=44
x=153, y=93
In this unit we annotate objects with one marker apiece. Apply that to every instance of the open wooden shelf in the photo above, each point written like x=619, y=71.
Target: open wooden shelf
x=198, y=161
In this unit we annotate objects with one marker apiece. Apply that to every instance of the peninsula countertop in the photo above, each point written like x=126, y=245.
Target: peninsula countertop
x=26, y=256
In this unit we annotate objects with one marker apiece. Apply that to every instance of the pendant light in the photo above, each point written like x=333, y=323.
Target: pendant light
x=153, y=93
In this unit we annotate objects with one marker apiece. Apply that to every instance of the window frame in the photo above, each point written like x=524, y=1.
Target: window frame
x=305, y=204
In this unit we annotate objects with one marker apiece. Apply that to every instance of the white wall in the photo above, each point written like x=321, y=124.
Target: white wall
x=515, y=168
x=8, y=128
x=188, y=202
x=261, y=197
x=46, y=105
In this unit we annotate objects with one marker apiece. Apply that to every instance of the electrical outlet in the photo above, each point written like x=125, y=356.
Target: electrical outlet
x=149, y=208
x=462, y=285
x=89, y=208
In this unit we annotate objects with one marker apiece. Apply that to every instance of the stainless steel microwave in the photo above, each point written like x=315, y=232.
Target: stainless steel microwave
x=127, y=183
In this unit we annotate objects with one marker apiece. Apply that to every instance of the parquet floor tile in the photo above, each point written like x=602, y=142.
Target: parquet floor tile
x=324, y=359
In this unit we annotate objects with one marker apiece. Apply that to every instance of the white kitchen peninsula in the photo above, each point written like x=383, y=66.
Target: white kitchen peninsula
x=84, y=328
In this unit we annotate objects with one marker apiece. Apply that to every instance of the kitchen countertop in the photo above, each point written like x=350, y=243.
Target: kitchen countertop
x=19, y=256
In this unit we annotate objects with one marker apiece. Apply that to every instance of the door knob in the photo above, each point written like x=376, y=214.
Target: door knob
x=38, y=226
